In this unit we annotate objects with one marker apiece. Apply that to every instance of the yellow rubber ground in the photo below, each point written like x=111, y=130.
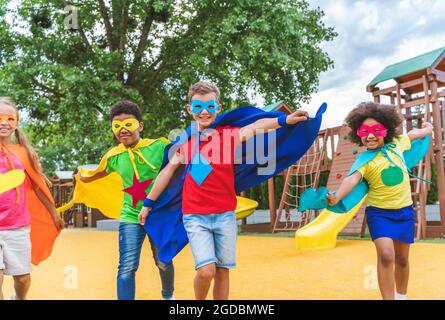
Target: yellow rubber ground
x=268, y=268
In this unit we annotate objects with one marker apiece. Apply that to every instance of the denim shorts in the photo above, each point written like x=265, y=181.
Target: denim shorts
x=212, y=238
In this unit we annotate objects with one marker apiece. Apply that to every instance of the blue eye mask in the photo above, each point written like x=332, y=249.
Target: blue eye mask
x=197, y=106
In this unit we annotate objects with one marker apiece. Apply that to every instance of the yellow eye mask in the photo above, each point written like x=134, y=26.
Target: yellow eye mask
x=128, y=124
x=11, y=119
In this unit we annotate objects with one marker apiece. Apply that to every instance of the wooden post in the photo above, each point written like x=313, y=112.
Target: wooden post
x=438, y=150
x=409, y=119
x=244, y=220
x=427, y=99
x=399, y=97
x=272, y=203
x=393, y=100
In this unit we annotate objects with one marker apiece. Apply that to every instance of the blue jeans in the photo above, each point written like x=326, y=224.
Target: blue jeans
x=131, y=238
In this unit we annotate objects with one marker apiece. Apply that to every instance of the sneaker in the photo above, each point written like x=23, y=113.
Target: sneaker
x=400, y=296
x=13, y=297
x=170, y=298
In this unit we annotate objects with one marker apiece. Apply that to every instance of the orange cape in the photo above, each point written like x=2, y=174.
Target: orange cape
x=43, y=230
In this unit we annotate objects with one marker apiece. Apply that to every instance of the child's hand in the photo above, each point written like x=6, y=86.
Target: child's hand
x=58, y=222
x=332, y=199
x=427, y=125
x=297, y=116
x=143, y=215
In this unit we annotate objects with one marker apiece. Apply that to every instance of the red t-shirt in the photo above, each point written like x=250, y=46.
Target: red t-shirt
x=216, y=194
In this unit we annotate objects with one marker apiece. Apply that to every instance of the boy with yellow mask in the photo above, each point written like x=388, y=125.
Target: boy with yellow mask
x=137, y=161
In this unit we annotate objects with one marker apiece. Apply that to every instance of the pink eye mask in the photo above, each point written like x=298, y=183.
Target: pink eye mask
x=378, y=130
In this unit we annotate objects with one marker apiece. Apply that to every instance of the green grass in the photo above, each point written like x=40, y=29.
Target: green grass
x=432, y=240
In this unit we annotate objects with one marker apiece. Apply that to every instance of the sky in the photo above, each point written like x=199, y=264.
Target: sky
x=372, y=34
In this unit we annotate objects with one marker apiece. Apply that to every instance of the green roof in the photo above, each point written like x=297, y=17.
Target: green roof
x=272, y=106
x=412, y=65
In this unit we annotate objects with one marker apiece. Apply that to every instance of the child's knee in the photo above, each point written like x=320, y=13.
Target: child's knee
x=402, y=261
x=222, y=272
x=127, y=269
x=206, y=272
x=22, y=280
x=386, y=257
x=163, y=266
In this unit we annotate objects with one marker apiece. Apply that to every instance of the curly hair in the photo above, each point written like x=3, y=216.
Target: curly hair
x=387, y=115
x=128, y=107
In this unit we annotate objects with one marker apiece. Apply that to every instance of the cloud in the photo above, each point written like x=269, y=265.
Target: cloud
x=372, y=35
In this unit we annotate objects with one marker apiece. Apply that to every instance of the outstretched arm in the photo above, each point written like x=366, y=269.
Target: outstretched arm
x=262, y=125
x=427, y=129
x=345, y=188
x=161, y=183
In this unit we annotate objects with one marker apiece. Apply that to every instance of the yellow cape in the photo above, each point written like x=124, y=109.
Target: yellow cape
x=104, y=194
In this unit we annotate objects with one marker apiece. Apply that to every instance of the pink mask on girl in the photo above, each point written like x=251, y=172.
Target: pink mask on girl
x=378, y=130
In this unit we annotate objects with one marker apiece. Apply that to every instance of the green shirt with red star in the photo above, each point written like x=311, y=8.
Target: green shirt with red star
x=136, y=190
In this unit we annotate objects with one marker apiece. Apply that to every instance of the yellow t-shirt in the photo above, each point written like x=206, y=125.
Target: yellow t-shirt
x=389, y=187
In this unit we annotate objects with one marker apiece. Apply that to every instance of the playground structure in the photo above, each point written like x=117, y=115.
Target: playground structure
x=417, y=95
x=62, y=189
x=79, y=215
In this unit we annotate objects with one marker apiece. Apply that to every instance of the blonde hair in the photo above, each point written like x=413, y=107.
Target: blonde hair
x=203, y=87
x=23, y=140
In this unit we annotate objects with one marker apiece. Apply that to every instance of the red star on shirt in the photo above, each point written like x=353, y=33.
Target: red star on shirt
x=137, y=190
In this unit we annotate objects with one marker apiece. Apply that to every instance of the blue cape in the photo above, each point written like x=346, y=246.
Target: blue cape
x=164, y=223
x=411, y=157
x=313, y=199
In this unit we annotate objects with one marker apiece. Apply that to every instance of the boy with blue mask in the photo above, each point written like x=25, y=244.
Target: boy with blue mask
x=208, y=194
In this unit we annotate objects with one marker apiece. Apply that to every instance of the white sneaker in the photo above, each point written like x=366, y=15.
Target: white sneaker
x=171, y=298
x=400, y=296
x=13, y=296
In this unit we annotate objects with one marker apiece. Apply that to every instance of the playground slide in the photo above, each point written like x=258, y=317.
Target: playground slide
x=245, y=207
x=322, y=232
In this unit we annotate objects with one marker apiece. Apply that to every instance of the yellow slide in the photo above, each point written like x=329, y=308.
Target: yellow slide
x=322, y=232
x=244, y=207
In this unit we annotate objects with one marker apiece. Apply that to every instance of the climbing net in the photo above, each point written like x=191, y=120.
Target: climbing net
x=299, y=177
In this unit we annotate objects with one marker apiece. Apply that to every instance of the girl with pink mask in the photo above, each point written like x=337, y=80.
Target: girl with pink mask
x=389, y=213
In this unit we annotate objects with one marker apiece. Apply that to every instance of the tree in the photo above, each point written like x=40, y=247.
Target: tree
x=67, y=76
